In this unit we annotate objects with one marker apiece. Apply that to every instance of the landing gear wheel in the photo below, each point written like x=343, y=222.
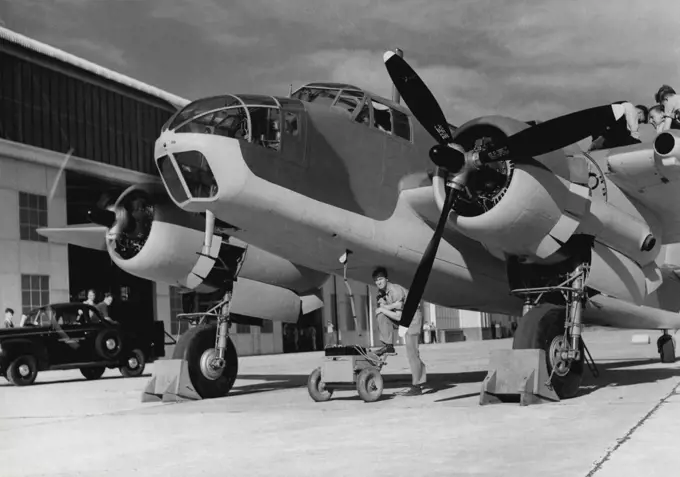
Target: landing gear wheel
x=370, y=384
x=108, y=344
x=134, y=365
x=543, y=328
x=23, y=370
x=197, y=347
x=316, y=387
x=666, y=346
x=93, y=373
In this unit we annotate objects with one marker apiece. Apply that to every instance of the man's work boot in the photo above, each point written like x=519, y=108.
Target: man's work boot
x=386, y=350
x=411, y=391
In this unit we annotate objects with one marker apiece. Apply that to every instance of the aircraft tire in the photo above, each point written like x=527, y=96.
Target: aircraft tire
x=194, y=346
x=537, y=330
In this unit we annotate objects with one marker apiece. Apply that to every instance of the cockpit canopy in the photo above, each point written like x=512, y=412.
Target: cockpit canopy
x=253, y=118
x=360, y=105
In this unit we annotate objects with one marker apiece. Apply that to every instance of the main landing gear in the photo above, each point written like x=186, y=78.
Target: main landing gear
x=553, y=332
x=204, y=364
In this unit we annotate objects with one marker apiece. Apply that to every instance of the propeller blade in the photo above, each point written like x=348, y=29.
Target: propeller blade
x=555, y=134
x=415, y=292
x=418, y=98
x=101, y=217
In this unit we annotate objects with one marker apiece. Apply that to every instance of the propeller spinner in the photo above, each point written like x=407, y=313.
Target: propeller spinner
x=457, y=162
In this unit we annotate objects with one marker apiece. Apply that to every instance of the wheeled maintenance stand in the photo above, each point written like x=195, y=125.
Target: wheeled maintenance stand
x=346, y=368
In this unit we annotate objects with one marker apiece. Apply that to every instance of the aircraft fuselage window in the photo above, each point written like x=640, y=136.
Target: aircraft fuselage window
x=266, y=127
x=401, y=126
x=291, y=124
x=381, y=117
x=389, y=120
x=364, y=116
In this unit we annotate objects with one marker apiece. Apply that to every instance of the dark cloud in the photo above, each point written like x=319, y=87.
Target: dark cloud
x=529, y=59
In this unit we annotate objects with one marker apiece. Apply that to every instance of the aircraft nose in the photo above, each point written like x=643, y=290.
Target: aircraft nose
x=199, y=169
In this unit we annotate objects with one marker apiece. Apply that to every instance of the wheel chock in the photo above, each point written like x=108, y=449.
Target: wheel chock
x=517, y=373
x=170, y=382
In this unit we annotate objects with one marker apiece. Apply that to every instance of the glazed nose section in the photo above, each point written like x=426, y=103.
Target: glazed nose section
x=199, y=169
x=192, y=168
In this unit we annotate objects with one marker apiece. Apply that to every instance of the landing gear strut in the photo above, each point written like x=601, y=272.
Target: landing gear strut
x=556, y=329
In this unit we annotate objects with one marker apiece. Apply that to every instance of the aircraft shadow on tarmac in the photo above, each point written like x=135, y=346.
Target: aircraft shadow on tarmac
x=435, y=382
x=74, y=380
x=625, y=373
x=612, y=373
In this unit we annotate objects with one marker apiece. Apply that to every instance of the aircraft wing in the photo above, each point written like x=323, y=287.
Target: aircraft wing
x=649, y=180
x=84, y=235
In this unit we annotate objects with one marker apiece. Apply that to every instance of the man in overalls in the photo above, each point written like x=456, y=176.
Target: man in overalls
x=391, y=300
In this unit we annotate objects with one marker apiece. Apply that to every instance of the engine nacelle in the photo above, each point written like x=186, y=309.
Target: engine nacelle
x=154, y=239
x=524, y=210
x=530, y=210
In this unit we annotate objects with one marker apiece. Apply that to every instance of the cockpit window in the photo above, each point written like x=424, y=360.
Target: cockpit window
x=232, y=122
x=202, y=106
x=316, y=95
x=349, y=100
x=266, y=123
x=385, y=119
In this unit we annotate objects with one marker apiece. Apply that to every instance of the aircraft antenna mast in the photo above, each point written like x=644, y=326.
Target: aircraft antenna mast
x=395, y=93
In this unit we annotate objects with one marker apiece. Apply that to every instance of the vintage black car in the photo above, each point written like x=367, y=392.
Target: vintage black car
x=75, y=335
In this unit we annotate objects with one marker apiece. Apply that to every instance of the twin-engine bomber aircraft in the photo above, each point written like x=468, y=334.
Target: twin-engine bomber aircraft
x=495, y=215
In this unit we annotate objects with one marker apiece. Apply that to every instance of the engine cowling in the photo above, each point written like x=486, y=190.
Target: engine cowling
x=524, y=210
x=153, y=239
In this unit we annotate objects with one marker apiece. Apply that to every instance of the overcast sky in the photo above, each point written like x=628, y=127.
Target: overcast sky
x=526, y=59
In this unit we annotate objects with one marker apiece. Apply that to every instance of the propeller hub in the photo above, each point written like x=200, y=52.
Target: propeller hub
x=447, y=157
x=101, y=217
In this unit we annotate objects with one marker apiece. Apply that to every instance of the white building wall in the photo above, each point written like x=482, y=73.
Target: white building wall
x=17, y=256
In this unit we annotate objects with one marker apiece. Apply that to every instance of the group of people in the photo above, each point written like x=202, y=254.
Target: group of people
x=102, y=306
x=662, y=116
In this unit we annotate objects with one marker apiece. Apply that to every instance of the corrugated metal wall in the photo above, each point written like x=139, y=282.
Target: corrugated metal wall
x=447, y=318
x=49, y=109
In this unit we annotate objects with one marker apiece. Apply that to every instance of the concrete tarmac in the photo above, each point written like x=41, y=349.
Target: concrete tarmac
x=622, y=423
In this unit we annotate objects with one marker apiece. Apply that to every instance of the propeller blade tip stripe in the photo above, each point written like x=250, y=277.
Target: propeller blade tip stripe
x=388, y=54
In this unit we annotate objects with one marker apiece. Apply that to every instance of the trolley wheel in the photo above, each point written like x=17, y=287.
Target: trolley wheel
x=370, y=384
x=317, y=389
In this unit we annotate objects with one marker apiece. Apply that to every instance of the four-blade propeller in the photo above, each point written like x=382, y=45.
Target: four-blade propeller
x=535, y=141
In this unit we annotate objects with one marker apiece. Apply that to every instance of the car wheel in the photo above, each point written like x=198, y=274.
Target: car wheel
x=23, y=370
x=93, y=373
x=134, y=365
x=108, y=344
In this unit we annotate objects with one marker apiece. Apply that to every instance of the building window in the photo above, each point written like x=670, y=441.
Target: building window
x=35, y=291
x=177, y=326
x=32, y=216
x=267, y=326
x=242, y=329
